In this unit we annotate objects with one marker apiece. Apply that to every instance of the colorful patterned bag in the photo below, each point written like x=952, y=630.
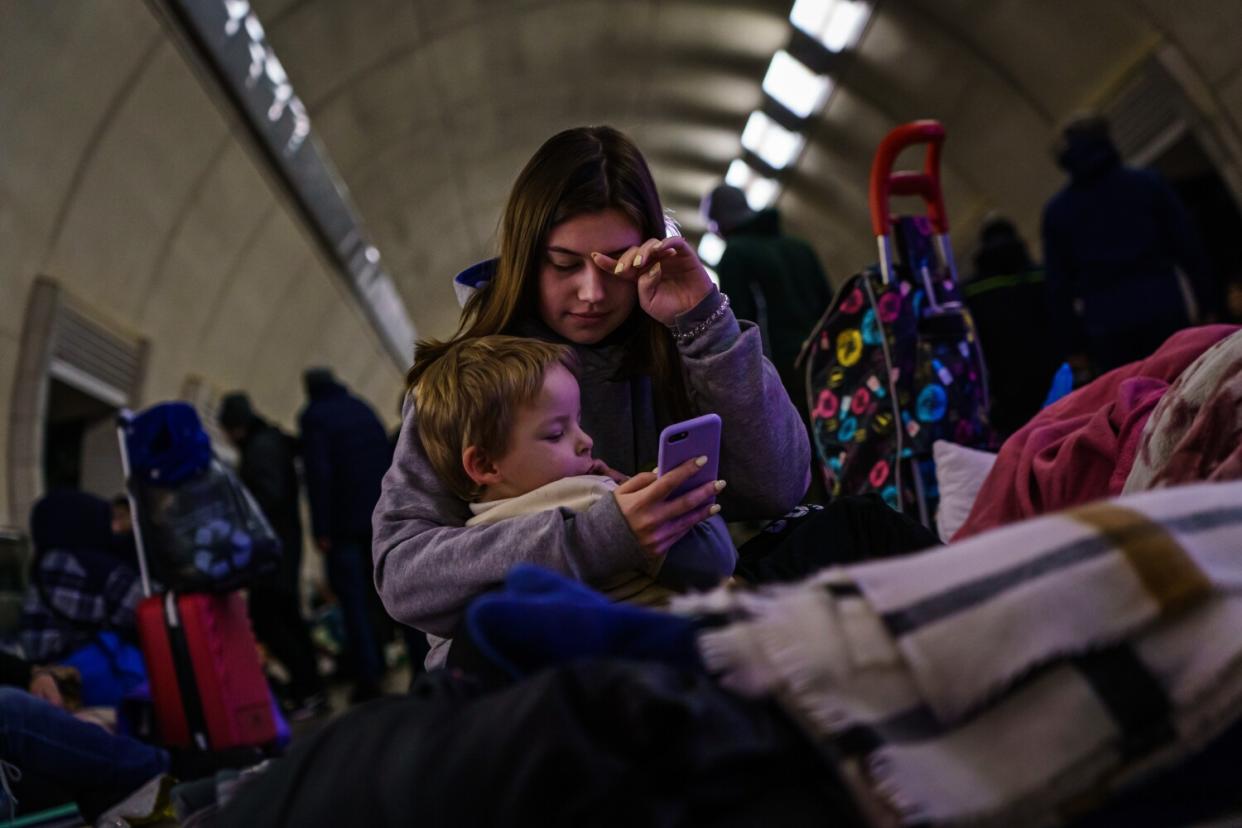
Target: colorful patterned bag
x=894, y=363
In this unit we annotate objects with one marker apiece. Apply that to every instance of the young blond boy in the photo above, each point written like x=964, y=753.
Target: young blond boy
x=499, y=421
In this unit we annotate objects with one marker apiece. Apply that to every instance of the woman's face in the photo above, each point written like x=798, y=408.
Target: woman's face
x=578, y=300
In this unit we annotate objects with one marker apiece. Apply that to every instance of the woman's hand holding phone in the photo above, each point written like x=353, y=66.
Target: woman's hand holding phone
x=658, y=521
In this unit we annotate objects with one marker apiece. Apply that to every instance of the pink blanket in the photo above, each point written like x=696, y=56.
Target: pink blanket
x=1082, y=447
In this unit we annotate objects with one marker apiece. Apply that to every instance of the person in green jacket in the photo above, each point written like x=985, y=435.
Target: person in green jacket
x=772, y=279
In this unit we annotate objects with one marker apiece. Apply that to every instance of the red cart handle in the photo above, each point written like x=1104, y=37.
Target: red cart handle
x=885, y=182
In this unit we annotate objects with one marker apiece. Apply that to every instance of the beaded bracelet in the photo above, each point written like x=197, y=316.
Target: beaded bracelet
x=682, y=337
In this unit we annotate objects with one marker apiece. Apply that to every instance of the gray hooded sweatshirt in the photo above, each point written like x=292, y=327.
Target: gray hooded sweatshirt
x=429, y=564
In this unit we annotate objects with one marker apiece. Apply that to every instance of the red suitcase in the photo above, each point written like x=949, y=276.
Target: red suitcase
x=206, y=680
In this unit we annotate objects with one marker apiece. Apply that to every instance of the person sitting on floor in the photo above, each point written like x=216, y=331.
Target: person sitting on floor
x=84, y=589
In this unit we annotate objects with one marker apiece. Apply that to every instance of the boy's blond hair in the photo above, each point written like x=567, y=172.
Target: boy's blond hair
x=469, y=396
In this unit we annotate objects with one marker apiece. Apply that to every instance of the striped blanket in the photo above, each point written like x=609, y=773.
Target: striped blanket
x=1014, y=678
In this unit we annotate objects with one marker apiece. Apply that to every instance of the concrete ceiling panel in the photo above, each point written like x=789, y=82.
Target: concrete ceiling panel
x=337, y=345
x=228, y=206
x=1056, y=52
x=1209, y=26
x=147, y=165
x=351, y=37
x=259, y=282
x=753, y=28
x=393, y=109
x=274, y=373
x=61, y=78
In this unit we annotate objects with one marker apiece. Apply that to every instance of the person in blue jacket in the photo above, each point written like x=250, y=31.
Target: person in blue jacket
x=1114, y=240
x=345, y=453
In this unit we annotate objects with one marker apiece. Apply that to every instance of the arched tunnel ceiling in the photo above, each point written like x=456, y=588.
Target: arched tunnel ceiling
x=430, y=109
x=128, y=182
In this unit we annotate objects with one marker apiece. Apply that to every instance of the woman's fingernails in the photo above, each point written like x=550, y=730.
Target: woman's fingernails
x=700, y=461
x=720, y=484
x=715, y=510
x=620, y=267
x=638, y=261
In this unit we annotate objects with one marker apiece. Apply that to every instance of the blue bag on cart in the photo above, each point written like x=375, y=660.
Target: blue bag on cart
x=204, y=531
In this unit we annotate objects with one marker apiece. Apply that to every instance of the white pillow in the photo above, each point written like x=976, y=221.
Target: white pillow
x=960, y=472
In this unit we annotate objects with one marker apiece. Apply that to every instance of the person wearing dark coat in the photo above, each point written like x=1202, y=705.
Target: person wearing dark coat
x=1008, y=300
x=1114, y=240
x=775, y=281
x=771, y=279
x=345, y=454
x=268, y=472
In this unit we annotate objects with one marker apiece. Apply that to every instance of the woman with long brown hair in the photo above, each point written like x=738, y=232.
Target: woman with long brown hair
x=586, y=260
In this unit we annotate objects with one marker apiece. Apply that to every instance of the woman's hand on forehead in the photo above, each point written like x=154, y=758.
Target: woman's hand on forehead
x=670, y=278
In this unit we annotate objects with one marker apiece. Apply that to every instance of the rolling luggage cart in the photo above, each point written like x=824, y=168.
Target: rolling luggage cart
x=894, y=364
x=207, y=682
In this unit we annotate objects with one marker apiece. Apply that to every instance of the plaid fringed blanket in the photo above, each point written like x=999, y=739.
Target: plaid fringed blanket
x=1016, y=677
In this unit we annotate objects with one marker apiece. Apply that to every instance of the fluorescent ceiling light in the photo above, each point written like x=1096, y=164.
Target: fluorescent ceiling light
x=799, y=89
x=845, y=25
x=711, y=247
x=834, y=23
x=739, y=173
x=770, y=141
x=760, y=192
x=811, y=16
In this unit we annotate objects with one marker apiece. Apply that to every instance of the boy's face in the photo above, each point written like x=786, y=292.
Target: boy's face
x=547, y=443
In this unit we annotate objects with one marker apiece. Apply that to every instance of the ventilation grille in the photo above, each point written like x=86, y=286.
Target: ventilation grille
x=1147, y=115
x=96, y=360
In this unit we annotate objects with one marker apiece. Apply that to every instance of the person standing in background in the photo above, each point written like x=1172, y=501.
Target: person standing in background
x=1008, y=299
x=775, y=281
x=345, y=453
x=1115, y=239
x=268, y=471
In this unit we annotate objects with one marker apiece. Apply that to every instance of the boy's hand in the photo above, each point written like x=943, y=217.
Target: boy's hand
x=600, y=467
x=44, y=686
x=658, y=522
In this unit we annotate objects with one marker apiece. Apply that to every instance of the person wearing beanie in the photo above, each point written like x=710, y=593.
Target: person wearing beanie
x=345, y=453
x=1007, y=298
x=1114, y=240
x=267, y=470
x=95, y=581
x=773, y=280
